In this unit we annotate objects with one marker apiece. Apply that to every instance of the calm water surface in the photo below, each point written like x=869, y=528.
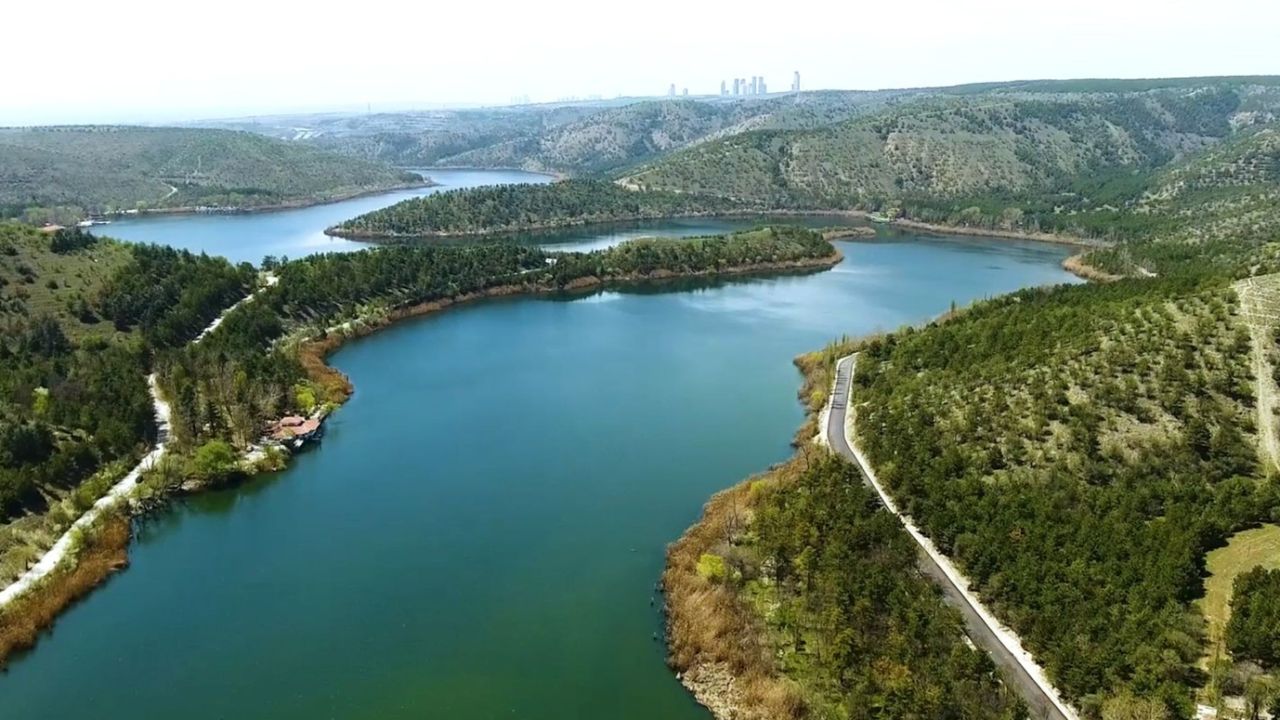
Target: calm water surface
x=479, y=534
x=293, y=233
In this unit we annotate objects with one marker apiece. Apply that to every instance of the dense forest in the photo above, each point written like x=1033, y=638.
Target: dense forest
x=64, y=173
x=82, y=319
x=1254, y=630
x=806, y=586
x=1077, y=452
x=514, y=207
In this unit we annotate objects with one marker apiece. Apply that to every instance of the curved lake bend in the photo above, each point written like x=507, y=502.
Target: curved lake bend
x=479, y=534
x=248, y=237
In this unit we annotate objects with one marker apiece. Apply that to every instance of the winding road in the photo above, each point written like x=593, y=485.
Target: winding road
x=1017, y=667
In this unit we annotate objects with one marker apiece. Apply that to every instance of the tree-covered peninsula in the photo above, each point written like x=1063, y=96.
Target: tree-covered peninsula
x=505, y=208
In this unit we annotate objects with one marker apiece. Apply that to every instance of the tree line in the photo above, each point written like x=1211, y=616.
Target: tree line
x=499, y=208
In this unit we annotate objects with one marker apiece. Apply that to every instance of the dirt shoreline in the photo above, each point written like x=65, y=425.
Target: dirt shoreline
x=716, y=644
x=104, y=551
x=1078, y=267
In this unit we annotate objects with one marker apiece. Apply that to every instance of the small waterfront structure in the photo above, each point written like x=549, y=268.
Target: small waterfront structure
x=295, y=428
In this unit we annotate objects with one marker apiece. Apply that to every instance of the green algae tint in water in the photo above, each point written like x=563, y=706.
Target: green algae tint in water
x=479, y=534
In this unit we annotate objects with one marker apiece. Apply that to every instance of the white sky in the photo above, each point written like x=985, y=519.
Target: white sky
x=67, y=61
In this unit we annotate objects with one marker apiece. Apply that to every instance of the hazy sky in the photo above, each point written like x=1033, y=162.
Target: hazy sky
x=147, y=60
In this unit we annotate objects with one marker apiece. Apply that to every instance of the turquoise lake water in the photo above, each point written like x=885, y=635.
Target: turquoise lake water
x=479, y=533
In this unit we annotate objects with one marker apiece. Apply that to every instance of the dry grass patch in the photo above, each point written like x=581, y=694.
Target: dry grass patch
x=717, y=643
x=104, y=551
x=1245, y=550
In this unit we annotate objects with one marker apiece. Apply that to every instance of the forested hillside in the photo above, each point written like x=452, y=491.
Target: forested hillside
x=1049, y=159
x=502, y=208
x=81, y=318
x=617, y=138
x=1077, y=452
x=70, y=171
x=423, y=139
x=574, y=139
x=1220, y=207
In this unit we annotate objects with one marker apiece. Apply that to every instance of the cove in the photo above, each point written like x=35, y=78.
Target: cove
x=480, y=531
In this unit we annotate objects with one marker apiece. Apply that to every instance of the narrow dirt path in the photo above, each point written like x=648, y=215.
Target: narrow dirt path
x=119, y=492
x=1260, y=312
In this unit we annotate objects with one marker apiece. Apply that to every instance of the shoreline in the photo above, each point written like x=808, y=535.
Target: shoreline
x=276, y=207
x=721, y=655
x=934, y=228
x=1073, y=264
x=393, y=238
x=314, y=351
x=1078, y=267
x=556, y=175
x=31, y=604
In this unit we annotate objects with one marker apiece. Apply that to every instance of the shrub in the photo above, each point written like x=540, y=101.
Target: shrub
x=712, y=567
x=1254, y=629
x=214, y=461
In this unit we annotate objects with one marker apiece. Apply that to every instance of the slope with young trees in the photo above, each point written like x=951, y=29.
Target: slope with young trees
x=1077, y=452
x=82, y=318
x=57, y=172
x=1033, y=158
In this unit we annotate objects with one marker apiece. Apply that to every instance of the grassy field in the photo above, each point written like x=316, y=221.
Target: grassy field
x=1259, y=546
x=36, y=281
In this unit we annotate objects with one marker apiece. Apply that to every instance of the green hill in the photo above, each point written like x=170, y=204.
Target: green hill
x=617, y=138
x=1043, y=160
x=958, y=147
x=80, y=319
x=577, y=139
x=105, y=169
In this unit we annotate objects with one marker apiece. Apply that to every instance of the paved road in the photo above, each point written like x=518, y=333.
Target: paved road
x=1013, y=673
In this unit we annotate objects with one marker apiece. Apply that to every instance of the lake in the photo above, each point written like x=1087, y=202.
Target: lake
x=248, y=237
x=479, y=533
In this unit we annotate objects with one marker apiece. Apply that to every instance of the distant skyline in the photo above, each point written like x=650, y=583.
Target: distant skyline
x=148, y=61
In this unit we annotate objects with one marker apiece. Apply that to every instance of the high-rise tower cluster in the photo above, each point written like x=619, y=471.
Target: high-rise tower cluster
x=743, y=86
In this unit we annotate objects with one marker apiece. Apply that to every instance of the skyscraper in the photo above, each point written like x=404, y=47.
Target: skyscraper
x=671, y=91
x=724, y=90
x=795, y=82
